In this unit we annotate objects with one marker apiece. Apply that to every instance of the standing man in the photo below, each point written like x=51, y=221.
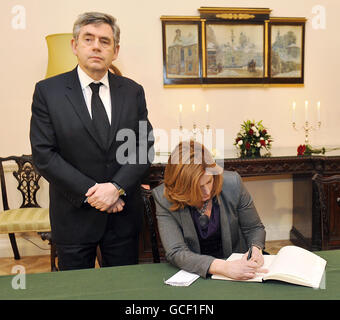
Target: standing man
x=79, y=125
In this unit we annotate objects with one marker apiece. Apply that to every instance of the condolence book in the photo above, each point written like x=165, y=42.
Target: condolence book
x=291, y=264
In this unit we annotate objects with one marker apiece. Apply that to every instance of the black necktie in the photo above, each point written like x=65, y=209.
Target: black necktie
x=99, y=116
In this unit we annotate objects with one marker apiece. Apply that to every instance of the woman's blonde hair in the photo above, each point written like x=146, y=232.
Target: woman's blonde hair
x=188, y=162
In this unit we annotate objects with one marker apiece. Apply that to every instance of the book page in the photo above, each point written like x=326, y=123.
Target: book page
x=268, y=260
x=297, y=265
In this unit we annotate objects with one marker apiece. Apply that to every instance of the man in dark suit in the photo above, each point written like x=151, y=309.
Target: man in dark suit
x=92, y=141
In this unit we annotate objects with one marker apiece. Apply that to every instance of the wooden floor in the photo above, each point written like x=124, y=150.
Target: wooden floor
x=38, y=264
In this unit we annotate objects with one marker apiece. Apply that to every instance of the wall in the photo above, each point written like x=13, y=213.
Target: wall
x=24, y=61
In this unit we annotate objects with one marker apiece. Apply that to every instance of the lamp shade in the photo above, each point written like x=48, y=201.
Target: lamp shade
x=60, y=56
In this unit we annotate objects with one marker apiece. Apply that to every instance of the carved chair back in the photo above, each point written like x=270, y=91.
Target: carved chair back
x=27, y=177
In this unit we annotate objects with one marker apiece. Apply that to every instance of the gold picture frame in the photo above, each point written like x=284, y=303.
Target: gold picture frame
x=230, y=46
x=286, y=50
x=182, y=56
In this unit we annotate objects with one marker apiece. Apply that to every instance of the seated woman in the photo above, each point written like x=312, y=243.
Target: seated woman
x=205, y=214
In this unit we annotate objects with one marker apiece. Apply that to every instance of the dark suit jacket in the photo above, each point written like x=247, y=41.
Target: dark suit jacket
x=241, y=226
x=67, y=152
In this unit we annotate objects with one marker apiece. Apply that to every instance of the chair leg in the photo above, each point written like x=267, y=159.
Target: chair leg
x=155, y=252
x=53, y=249
x=53, y=256
x=14, y=246
x=99, y=257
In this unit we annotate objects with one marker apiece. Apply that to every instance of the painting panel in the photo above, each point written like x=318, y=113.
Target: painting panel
x=235, y=50
x=182, y=51
x=286, y=51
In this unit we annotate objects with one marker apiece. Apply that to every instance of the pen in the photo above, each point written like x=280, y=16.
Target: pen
x=250, y=252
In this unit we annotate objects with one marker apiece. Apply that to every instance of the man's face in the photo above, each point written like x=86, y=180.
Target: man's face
x=94, y=49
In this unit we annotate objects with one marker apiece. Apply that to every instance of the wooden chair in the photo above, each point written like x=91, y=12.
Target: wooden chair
x=152, y=224
x=328, y=206
x=29, y=217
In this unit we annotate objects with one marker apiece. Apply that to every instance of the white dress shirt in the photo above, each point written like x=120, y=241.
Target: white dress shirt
x=104, y=91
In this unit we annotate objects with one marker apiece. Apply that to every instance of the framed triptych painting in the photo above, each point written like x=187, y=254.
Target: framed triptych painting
x=233, y=46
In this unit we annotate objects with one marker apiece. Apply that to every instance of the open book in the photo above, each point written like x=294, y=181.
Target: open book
x=291, y=264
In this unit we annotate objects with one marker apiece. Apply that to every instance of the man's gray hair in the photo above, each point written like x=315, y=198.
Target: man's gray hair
x=97, y=18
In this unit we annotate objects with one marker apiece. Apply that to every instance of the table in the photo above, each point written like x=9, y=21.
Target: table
x=145, y=282
x=282, y=161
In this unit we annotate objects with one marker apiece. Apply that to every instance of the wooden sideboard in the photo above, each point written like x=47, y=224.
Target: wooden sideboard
x=306, y=230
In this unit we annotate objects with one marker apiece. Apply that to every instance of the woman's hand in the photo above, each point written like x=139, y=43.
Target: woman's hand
x=241, y=269
x=256, y=256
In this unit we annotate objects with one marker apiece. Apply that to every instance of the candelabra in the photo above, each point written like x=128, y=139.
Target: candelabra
x=307, y=127
x=195, y=131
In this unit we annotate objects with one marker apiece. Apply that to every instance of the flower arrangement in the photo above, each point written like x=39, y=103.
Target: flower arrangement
x=308, y=150
x=252, y=137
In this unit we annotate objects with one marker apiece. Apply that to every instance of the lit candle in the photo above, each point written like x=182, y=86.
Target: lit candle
x=318, y=111
x=294, y=107
x=306, y=111
x=193, y=110
x=208, y=117
x=180, y=115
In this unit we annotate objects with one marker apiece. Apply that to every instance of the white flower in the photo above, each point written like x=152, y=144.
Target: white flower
x=258, y=144
x=257, y=134
x=240, y=143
